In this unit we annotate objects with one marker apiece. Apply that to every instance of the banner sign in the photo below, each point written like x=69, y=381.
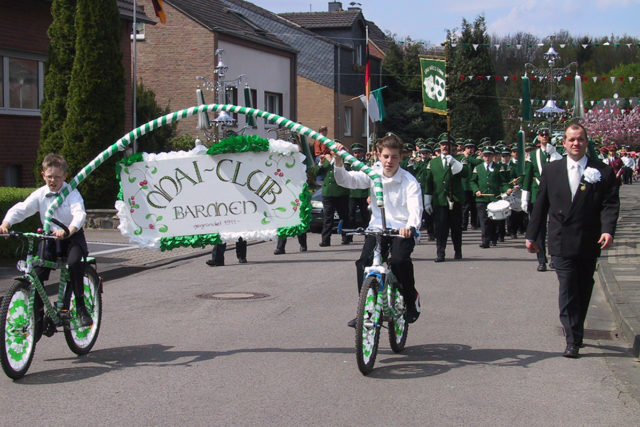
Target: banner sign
x=169, y=199
x=434, y=83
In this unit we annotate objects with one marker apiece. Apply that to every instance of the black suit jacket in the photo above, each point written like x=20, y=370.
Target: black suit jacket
x=575, y=226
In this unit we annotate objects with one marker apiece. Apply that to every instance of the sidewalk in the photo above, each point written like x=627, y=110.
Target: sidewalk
x=619, y=268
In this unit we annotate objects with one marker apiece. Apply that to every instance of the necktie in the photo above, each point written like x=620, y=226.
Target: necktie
x=574, y=179
x=50, y=194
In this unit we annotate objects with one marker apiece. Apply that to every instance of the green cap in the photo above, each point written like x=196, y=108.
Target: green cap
x=408, y=147
x=357, y=147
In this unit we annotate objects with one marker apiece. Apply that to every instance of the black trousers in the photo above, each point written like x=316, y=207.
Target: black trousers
x=515, y=223
x=217, y=253
x=73, y=249
x=282, y=242
x=469, y=212
x=627, y=174
x=448, y=220
x=487, y=225
x=354, y=204
x=575, y=276
x=399, y=261
x=541, y=240
x=330, y=205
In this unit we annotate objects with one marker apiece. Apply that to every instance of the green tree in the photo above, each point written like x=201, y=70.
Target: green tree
x=95, y=104
x=57, y=76
x=147, y=109
x=473, y=103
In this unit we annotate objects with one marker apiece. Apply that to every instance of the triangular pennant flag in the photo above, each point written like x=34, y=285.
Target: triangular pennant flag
x=603, y=78
x=505, y=78
x=515, y=78
x=595, y=79
x=497, y=46
x=584, y=46
x=568, y=77
x=480, y=77
x=613, y=79
x=592, y=103
x=562, y=45
x=630, y=78
x=454, y=44
x=470, y=77
x=520, y=100
x=461, y=77
x=475, y=46
x=518, y=46
x=617, y=101
x=496, y=77
x=606, y=44
x=488, y=77
x=621, y=79
x=629, y=45
x=539, y=45
x=586, y=79
x=558, y=78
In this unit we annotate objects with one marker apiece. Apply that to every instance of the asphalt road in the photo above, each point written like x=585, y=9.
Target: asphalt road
x=485, y=351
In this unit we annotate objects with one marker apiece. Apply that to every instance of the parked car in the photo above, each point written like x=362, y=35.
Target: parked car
x=317, y=214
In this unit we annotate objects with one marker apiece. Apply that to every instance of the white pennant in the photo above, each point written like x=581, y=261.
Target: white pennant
x=613, y=79
x=618, y=101
x=488, y=77
x=584, y=46
x=630, y=78
x=505, y=78
x=629, y=45
x=497, y=46
x=470, y=77
x=520, y=100
x=562, y=45
x=475, y=46
x=595, y=79
x=559, y=78
x=592, y=103
x=518, y=46
x=540, y=44
x=606, y=44
x=454, y=44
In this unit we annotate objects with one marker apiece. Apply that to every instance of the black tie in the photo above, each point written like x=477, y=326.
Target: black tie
x=50, y=194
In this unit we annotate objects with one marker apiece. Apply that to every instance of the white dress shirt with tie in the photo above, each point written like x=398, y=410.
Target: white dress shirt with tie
x=575, y=171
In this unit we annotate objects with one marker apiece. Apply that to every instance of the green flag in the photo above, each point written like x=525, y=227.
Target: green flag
x=527, y=115
x=434, y=85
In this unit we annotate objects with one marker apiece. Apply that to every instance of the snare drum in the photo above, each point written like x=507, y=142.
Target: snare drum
x=499, y=210
x=515, y=200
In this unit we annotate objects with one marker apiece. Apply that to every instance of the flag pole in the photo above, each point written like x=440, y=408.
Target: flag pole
x=366, y=85
x=135, y=84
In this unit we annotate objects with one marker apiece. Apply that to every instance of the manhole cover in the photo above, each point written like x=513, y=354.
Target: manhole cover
x=232, y=295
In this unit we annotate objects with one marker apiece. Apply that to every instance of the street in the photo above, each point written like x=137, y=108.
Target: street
x=485, y=350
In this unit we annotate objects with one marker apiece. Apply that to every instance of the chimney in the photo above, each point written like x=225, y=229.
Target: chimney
x=335, y=6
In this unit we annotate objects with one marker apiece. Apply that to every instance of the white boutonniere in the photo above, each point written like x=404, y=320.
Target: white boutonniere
x=591, y=175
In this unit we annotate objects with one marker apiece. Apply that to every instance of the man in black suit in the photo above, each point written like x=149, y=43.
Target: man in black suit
x=580, y=196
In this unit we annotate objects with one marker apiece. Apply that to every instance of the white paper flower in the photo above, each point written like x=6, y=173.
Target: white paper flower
x=592, y=175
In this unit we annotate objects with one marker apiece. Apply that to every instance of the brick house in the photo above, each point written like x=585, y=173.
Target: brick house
x=23, y=52
x=171, y=55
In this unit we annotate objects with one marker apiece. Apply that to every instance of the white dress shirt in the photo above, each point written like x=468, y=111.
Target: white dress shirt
x=582, y=164
x=71, y=212
x=402, y=196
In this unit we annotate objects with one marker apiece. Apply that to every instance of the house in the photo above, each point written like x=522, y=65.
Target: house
x=170, y=56
x=23, y=52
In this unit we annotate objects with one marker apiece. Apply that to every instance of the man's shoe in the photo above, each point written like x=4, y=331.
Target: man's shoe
x=345, y=242
x=439, y=259
x=324, y=244
x=278, y=252
x=551, y=265
x=242, y=260
x=413, y=310
x=572, y=351
x=352, y=323
x=212, y=263
x=303, y=248
x=84, y=317
x=457, y=256
x=542, y=267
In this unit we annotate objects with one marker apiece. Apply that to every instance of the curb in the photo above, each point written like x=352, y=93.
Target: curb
x=623, y=313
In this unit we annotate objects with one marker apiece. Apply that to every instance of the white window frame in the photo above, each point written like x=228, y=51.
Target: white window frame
x=140, y=31
x=348, y=121
x=4, y=63
x=280, y=98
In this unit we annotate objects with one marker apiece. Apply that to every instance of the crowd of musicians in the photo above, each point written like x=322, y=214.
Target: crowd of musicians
x=466, y=184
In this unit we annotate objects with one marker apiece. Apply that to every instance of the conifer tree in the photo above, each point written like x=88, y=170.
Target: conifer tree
x=95, y=104
x=56, y=81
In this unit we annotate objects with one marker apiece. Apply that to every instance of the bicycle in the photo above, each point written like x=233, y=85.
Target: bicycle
x=23, y=321
x=380, y=301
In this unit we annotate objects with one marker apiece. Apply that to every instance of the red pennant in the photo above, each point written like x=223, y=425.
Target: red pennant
x=621, y=79
x=480, y=77
x=461, y=77
x=604, y=79
x=586, y=79
x=497, y=77
x=568, y=77
x=515, y=78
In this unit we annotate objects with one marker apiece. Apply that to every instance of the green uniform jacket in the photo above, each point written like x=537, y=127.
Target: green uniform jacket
x=412, y=167
x=330, y=187
x=440, y=183
x=532, y=180
x=488, y=182
x=469, y=163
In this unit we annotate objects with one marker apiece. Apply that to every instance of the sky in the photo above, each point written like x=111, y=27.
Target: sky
x=428, y=20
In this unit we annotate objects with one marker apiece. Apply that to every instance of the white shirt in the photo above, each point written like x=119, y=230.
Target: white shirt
x=402, y=196
x=70, y=212
x=570, y=164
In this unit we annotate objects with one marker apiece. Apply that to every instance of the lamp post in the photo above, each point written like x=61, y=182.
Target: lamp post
x=551, y=73
x=219, y=86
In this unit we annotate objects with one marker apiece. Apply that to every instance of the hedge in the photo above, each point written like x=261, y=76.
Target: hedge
x=9, y=196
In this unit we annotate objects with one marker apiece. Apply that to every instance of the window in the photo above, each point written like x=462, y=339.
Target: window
x=139, y=31
x=273, y=102
x=347, y=120
x=12, y=176
x=357, y=53
x=21, y=82
x=364, y=123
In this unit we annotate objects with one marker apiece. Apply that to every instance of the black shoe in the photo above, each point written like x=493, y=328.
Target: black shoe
x=303, y=248
x=457, y=256
x=84, y=317
x=411, y=314
x=278, y=252
x=551, y=265
x=580, y=344
x=542, y=267
x=345, y=242
x=572, y=351
x=439, y=259
x=242, y=260
x=483, y=246
x=324, y=244
x=352, y=323
x=212, y=263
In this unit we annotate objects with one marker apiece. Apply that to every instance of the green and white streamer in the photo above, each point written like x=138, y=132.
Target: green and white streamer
x=123, y=143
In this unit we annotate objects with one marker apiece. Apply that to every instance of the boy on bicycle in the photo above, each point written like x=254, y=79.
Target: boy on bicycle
x=71, y=211
x=403, y=211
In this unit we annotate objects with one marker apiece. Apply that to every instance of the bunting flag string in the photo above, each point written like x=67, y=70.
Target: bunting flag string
x=569, y=78
x=518, y=46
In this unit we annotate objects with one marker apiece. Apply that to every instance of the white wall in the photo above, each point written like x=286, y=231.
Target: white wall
x=264, y=72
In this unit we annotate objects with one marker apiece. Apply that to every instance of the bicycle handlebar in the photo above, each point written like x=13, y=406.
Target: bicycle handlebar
x=389, y=232
x=38, y=235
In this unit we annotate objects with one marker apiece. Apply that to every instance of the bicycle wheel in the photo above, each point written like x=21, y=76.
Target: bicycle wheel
x=368, y=325
x=399, y=327
x=81, y=339
x=17, y=331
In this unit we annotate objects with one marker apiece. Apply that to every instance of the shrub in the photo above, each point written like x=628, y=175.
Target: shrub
x=9, y=196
